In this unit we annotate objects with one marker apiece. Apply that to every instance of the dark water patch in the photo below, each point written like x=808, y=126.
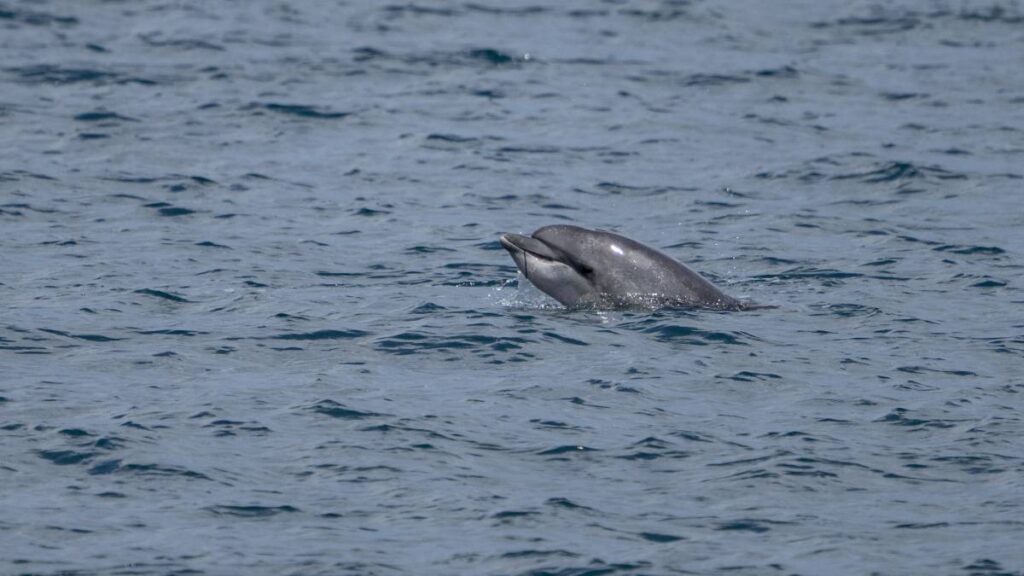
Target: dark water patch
x=327, y=274
x=847, y=310
x=565, y=339
x=491, y=56
x=691, y=436
x=360, y=474
x=57, y=75
x=514, y=514
x=507, y=10
x=25, y=206
x=567, y=504
x=370, y=212
x=88, y=337
x=999, y=13
x=419, y=10
x=473, y=57
x=65, y=457
x=173, y=211
x=423, y=249
x=209, y=244
x=988, y=567
x=970, y=250
x=989, y=283
x=902, y=417
x=659, y=537
x=882, y=262
x=428, y=308
x=899, y=172
x=333, y=409
x=322, y=335
x=145, y=470
x=643, y=455
x=676, y=333
x=898, y=96
x=300, y=110
x=102, y=116
x=451, y=138
x=39, y=350
x=748, y=376
x=109, y=494
x=704, y=80
x=540, y=149
x=619, y=189
x=250, y=511
x=926, y=369
x=671, y=11
x=407, y=343
x=162, y=295
x=526, y=554
x=977, y=464
x=883, y=20
x=916, y=240
x=827, y=276
x=75, y=433
x=172, y=332
x=109, y=443
x=17, y=175
x=35, y=18
x=403, y=429
x=750, y=525
x=225, y=427
x=781, y=72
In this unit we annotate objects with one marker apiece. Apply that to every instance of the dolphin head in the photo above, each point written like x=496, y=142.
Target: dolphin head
x=549, y=260
x=568, y=263
x=581, y=267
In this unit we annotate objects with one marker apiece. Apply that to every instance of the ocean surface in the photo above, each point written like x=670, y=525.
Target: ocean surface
x=255, y=318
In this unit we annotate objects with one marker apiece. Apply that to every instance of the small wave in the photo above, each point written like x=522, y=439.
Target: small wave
x=116, y=467
x=300, y=110
x=321, y=335
x=900, y=171
x=34, y=17
x=333, y=409
x=58, y=75
x=250, y=511
x=681, y=334
x=88, y=337
x=162, y=295
x=103, y=116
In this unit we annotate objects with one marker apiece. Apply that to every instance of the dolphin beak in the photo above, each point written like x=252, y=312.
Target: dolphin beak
x=511, y=242
x=517, y=244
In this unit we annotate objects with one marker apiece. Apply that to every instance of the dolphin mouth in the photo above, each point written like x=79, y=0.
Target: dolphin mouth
x=519, y=245
x=523, y=248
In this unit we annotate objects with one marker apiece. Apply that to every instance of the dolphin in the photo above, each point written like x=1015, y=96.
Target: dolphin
x=600, y=269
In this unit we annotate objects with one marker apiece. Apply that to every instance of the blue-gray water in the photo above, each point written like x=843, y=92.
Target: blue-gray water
x=255, y=318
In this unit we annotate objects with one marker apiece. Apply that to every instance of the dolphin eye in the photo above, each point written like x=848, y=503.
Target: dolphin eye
x=586, y=270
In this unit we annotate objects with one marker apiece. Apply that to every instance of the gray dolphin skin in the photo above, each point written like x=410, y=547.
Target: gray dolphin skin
x=599, y=269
